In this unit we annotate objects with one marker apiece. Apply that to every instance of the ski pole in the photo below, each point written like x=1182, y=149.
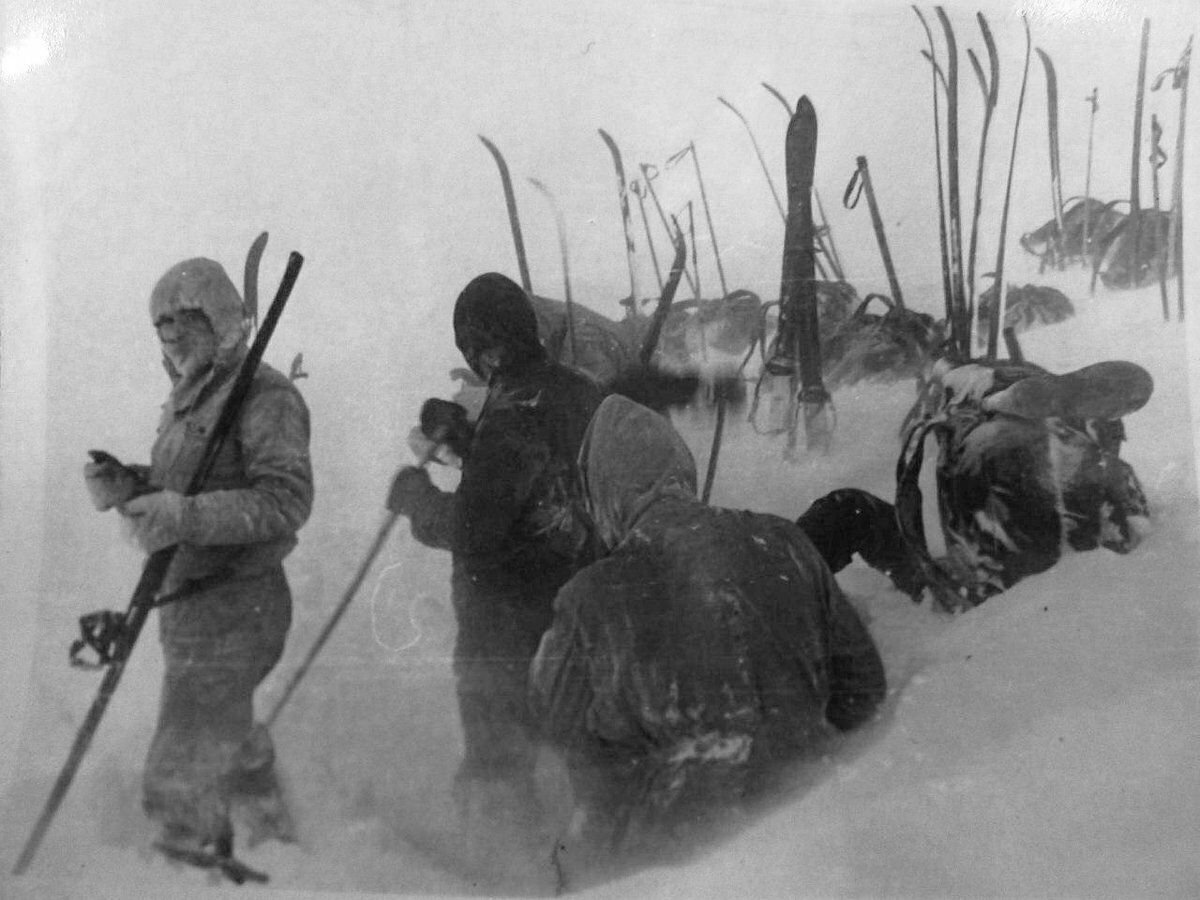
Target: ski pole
x=648, y=179
x=640, y=193
x=364, y=567
x=691, y=148
x=1157, y=160
x=155, y=570
x=862, y=179
x=1179, y=81
x=1055, y=171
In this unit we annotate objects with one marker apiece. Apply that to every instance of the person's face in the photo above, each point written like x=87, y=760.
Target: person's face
x=187, y=340
x=487, y=361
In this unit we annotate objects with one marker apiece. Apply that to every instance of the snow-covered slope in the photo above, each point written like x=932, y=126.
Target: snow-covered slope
x=1041, y=744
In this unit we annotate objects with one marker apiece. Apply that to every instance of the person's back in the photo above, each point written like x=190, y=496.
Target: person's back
x=709, y=647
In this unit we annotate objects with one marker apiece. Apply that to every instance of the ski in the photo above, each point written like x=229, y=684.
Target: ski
x=514, y=220
x=758, y=153
x=1179, y=81
x=827, y=250
x=1158, y=159
x=640, y=192
x=996, y=325
x=649, y=173
x=943, y=235
x=227, y=865
x=1133, y=238
x=990, y=86
x=1093, y=101
x=561, y=226
x=154, y=572
x=623, y=195
x=799, y=330
x=958, y=321
x=250, y=278
x=1056, y=199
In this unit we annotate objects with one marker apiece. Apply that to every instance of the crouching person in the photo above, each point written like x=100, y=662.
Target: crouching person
x=229, y=607
x=706, y=649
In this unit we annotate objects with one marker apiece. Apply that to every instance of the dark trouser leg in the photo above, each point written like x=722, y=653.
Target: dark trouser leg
x=849, y=521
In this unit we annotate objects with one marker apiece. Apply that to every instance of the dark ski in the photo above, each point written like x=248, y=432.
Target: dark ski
x=623, y=195
x=561, y=226
x=958, y=322
x=990, y=86
x=1056, y=199
x=799, y=335
x=514, y=221
x=250, y=277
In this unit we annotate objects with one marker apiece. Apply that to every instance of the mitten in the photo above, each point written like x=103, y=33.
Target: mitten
x=157, y=519
x=410, y=488
x=109, y=483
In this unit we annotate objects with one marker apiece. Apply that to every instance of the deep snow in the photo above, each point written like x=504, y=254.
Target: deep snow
x=1041, y=745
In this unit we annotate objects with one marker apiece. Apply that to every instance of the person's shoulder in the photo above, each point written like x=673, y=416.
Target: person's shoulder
x=270, y=388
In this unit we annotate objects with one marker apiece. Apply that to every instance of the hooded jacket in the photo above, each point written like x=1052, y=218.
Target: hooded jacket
x=510, y=524
x=260, y=489
x=706, y=634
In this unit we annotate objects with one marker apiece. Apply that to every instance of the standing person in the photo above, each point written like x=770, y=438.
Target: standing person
x=511, y=532
x=224, y=627
x=708, y=648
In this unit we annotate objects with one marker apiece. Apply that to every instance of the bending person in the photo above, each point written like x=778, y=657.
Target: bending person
x=704, y=651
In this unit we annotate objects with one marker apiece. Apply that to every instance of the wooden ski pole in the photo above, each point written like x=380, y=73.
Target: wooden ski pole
x=348, y=595
x=1157, y=160
x=862, y=177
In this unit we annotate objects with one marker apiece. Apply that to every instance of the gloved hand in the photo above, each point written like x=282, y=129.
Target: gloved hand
x=410, y=487
x=444, y=422
x=157, y=519
x=108, y=481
